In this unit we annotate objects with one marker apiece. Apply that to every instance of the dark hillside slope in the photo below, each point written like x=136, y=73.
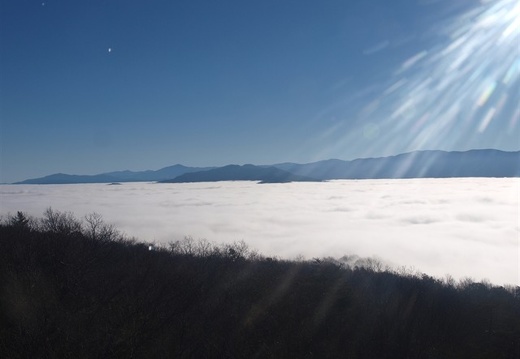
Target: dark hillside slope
x=66, y=293
x=241, y=173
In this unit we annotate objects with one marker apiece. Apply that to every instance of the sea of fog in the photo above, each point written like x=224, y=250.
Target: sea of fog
x=466, y=227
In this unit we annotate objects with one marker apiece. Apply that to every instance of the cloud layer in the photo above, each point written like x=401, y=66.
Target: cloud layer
x=463, y=227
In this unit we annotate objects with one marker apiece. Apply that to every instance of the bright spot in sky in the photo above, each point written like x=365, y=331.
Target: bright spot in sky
x=109, y=49
x=458, y=226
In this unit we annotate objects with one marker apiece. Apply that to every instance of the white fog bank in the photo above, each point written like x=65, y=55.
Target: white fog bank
x=466, y=227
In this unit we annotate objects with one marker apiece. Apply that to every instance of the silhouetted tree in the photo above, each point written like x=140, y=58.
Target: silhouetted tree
x=80, y=289
x=60, y=222
x=20, y=220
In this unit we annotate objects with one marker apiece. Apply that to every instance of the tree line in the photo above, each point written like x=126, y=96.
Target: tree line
x=78, y=288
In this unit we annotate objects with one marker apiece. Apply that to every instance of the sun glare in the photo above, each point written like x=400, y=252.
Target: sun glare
x=446, y=95
x=468, y=82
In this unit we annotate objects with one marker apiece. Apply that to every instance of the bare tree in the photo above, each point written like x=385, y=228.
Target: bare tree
x=95, y=228
x=60, y=222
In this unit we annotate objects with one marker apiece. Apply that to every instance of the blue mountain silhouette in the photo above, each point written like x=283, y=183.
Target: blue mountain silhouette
x=418, y=164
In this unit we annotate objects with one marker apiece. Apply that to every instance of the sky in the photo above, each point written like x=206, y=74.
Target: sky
x=96, y=86
x=465, y=227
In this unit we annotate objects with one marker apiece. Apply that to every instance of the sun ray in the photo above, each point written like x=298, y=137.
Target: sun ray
x=455, y=91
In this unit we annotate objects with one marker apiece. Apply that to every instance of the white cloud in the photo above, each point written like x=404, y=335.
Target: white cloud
x=463, y=227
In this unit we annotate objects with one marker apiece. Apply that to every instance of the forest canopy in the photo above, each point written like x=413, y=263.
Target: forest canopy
x=79, y=288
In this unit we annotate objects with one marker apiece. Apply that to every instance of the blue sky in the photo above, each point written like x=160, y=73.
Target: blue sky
x=95, y=86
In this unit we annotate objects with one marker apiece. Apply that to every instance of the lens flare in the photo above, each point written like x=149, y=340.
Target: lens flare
x=463, y=89
x=466, y=82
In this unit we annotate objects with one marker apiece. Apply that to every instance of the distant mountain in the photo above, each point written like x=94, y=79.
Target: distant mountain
x=119, y=176
x=159, y=175
x=62, y=178
x=419, y=164
x=241, y=173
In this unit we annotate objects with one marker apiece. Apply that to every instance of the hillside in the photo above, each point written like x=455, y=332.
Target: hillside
x=118, y=176
x=72, y=289
x=419, y=164
x=241, y=173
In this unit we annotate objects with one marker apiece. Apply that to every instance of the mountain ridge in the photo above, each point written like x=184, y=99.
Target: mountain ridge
x=248, y=172
x=416, y=164
x=117, y=176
